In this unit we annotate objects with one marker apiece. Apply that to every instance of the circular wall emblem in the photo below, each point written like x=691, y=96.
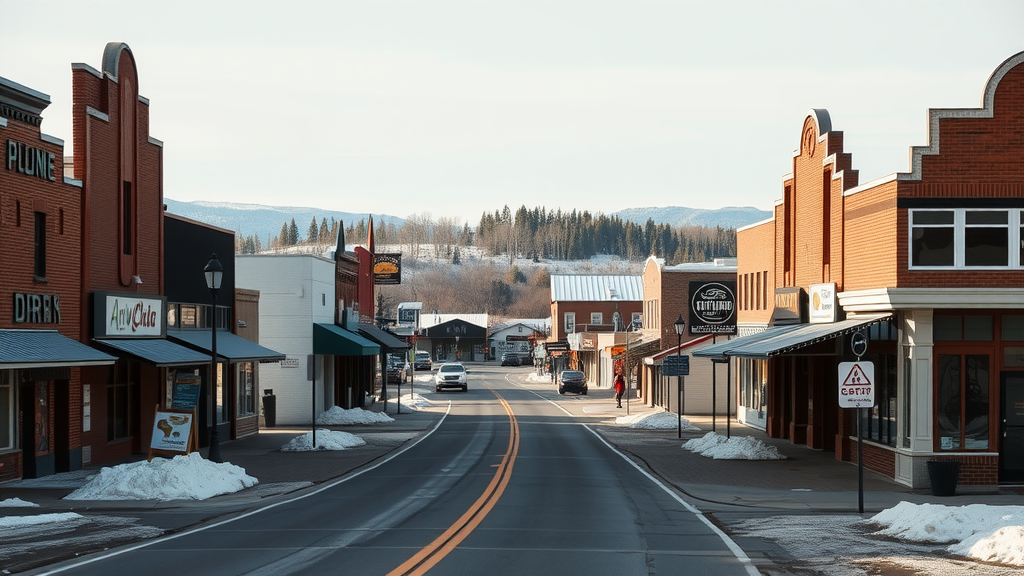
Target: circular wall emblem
x=714, y=303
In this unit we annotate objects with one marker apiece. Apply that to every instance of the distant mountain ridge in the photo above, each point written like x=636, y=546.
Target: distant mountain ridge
x=265, y=221
x=728, y=217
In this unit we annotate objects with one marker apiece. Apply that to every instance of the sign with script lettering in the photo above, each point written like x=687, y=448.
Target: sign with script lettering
x=128, y=315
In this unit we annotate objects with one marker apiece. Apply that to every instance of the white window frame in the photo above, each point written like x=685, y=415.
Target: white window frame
x=596, y=318
x=638, y=320
x=569, y=322
x=1015, y=235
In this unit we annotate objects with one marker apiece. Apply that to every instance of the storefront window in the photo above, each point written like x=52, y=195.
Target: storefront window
x=908, y=385
x=1013, y=327
x=6, y=411
x=246, y=389
x=963, y=238
x=881, y=424
x=963, y=397
x=124, y=376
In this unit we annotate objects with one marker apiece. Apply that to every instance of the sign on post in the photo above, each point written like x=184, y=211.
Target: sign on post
x=675, y=366
x=856, y=384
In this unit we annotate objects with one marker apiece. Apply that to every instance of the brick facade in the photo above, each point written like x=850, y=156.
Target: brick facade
x=827, y=228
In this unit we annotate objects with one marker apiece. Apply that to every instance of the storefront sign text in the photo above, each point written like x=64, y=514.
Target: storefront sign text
x=125, y=315
x=36, y=308
x=30, y=161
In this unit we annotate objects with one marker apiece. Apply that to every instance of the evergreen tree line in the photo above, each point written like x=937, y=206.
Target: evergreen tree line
x=579, y=235
x=529, y=233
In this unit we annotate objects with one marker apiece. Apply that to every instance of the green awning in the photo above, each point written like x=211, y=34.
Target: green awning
x=46, y=348
x=336, y=341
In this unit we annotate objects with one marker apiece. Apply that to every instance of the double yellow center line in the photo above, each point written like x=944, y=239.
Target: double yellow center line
x=434, y=552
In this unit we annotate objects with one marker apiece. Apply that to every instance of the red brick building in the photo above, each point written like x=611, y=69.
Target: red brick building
x=40, y=296
x=930, y=263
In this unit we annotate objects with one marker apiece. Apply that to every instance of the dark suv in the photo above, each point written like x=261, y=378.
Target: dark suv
x=509, y=359
x=572, y=381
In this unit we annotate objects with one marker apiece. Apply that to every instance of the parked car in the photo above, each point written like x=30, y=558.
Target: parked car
x=422, y=361
x=510, y=359
x=451, y=375
x=396, y=369
x=572, y=381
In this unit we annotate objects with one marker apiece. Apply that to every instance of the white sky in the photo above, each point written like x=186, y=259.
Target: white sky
x=456, y=108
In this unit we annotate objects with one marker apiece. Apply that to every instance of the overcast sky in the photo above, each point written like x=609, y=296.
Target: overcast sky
x=456, y=108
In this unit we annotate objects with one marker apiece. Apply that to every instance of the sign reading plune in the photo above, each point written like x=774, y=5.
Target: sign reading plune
x=128, y=315
x=387, y=268
x=713, y=307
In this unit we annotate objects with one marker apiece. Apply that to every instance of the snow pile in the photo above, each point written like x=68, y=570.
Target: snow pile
x=16, y=503
x=656, y=421
x=43, y=520
x=325, y=440
x=181, y=478
x=544, y=378
x=988, y=533
x=339, y=416
x=712, y=445
x=410, y=401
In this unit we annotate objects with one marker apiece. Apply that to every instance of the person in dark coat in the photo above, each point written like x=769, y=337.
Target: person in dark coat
x=620, y=388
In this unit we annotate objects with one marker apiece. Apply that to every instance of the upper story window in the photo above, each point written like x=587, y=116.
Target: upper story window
x=966, y=238
x=570, y=322
x=39, y=259
x=596, y=318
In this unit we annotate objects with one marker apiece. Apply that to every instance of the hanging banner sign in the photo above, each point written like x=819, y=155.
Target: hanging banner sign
x=387, y=268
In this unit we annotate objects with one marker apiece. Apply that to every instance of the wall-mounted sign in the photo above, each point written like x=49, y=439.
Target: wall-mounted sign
x=790, y=306
x=185, y=393
x=823, y=303
x=128, y=315
x=290, y=362
x=25, y=159
x=712, y=307
x=36, y=308
x=387, y=268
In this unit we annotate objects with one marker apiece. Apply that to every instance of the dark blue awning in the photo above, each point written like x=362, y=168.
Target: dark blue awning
x=231, y=347
x=387, y=340
x=42, y=348
x=156, y=351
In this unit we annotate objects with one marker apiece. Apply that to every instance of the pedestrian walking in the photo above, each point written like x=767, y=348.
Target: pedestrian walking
x=620, y=388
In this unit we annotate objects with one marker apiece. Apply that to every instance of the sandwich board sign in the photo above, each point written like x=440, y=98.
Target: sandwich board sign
x=856, y=384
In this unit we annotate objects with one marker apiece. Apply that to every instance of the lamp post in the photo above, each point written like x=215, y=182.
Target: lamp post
x=679, y=325
x=214, y=272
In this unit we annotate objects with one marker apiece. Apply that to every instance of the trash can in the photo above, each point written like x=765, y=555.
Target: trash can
x=943, y=475
x=269, y=408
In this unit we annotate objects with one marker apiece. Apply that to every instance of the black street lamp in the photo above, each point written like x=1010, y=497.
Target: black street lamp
x=214, y=272
x=680, y=326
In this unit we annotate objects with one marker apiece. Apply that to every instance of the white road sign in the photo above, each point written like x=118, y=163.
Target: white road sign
x=856, y=384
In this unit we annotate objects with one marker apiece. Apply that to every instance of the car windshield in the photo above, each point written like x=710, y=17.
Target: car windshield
x=572, y=374
x=451, y=368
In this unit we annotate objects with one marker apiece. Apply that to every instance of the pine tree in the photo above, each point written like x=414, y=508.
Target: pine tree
x=313, y=234
x=293, y=234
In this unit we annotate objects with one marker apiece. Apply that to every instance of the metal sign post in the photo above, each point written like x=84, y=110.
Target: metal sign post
x=857, y=390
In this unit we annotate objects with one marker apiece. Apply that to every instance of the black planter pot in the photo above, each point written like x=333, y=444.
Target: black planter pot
x=943, y=475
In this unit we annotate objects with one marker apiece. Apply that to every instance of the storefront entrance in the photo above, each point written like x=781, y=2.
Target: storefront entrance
x=1011, y=449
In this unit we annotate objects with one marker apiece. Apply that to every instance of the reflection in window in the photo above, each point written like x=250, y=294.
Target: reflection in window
x=963, y=401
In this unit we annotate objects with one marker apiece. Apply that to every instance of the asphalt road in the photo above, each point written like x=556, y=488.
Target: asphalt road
x=506, y=484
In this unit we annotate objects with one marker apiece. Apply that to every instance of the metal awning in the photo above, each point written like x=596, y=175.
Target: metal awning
x=778, y=340
x=156, y=351
x=335, y=340
x=230, y=347
x=387, y=340
x=46, y=348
